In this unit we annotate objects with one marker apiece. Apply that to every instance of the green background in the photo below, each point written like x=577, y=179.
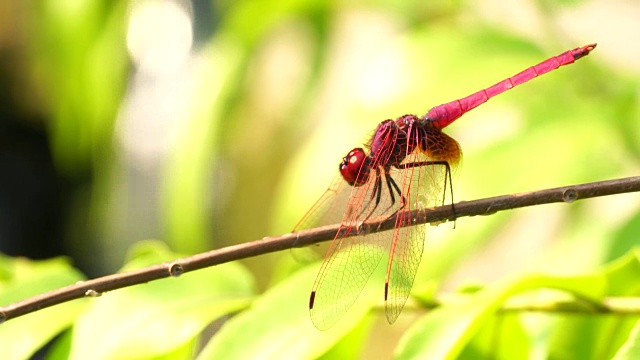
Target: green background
x=274, y=94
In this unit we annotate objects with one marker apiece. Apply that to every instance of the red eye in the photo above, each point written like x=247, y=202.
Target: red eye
x=352, y=169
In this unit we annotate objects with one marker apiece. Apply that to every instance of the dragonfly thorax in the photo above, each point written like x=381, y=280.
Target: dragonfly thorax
x=388, y=147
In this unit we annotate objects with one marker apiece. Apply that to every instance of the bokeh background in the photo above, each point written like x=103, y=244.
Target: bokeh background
x=211, y=123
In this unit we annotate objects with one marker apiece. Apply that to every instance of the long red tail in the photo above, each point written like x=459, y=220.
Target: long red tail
x=445, y=114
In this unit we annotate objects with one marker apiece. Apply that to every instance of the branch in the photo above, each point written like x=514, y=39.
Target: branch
x=266, y=245
x=618, y=305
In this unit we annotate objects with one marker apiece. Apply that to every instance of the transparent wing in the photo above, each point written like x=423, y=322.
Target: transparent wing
x=326, y=211
x=424, y=186
x=329, y=208
x=349, y=262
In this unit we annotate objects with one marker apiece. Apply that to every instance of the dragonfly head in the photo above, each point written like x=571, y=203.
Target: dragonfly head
x=355, y=167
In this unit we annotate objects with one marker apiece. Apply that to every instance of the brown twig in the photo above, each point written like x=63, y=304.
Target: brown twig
x=486, y=206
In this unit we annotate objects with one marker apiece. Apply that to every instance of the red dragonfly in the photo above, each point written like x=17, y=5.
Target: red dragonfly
x=406, y=165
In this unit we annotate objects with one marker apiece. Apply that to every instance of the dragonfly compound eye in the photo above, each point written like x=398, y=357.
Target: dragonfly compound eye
x=354, y=167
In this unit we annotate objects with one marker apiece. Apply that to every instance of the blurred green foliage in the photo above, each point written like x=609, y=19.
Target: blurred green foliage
x=79, y=59
x=281, y=91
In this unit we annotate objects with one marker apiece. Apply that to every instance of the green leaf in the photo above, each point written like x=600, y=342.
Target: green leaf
x=631, y=348
x=22, y=279
x=81, y=59
x=278, y=326
x=352, y=344
x=502, y=337
x=623, y=274
x=444, y=332
x=162, y=316
x=589, y=337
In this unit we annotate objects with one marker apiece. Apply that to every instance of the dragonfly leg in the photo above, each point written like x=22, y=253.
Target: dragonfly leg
x=376, y=189
x=377, y=193
x=392, y=187
x=447, y=175
x=392, y=183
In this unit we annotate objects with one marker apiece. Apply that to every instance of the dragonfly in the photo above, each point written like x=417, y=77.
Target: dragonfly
x=406, y=165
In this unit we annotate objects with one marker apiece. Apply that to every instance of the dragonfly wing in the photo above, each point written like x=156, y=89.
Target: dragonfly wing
x=424, y=186
x=350, y=261
x=407, y=245
x=342, y=276
x=328, y=209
